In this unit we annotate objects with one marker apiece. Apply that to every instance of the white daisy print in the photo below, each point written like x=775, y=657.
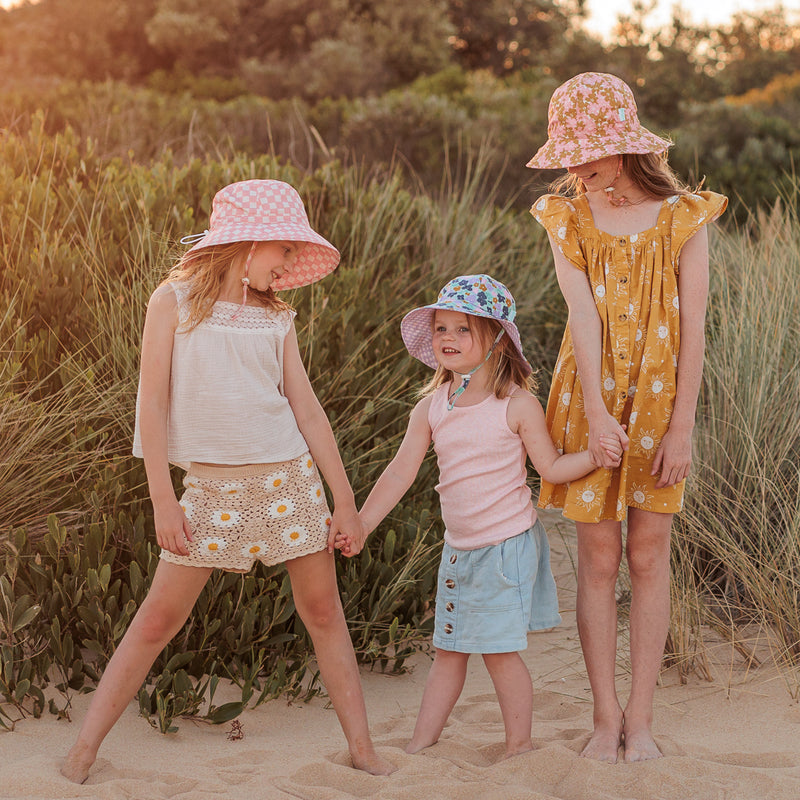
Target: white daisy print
x=225, y=518
x=295, y=535
x=231, y=488
x=187, y=508
x=255, y=548
x=212, y=544
x=317, y=493
x=325, y=523
x=307, y=466
x=275, y=481
x=281, y=508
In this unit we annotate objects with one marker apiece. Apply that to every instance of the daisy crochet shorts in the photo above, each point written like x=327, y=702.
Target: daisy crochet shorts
x=268, y=512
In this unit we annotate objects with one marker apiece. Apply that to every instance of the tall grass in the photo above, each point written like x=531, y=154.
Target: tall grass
x=737, y=553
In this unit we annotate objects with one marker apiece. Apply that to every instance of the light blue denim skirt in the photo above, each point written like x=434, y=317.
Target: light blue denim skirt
x=488, y=599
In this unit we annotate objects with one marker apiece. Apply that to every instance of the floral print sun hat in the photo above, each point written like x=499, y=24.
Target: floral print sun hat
x=591, y=116
x=268, y=211
x=480, y=295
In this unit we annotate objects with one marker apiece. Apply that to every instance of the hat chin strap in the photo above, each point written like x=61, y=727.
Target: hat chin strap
x=245, y=279
x=451, y=400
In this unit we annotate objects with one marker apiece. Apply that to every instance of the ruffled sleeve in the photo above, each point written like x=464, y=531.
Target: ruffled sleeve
x=690, y=213
x=559, y=218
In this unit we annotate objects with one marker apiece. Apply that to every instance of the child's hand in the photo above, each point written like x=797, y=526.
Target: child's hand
x=346, y=532
x=172, y=528
x=611, y=451
x=348, y=545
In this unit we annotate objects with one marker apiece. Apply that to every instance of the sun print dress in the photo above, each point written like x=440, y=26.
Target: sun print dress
x=634, y=280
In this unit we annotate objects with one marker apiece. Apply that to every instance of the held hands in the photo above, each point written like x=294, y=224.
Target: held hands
x=612, y=451
x=351, y=545
x=607, y=441
x=346, y=532
x=172, y=528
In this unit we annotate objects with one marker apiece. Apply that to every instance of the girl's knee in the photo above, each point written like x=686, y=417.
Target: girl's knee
x=156, y=625
x=647, y=562
x=320, y=611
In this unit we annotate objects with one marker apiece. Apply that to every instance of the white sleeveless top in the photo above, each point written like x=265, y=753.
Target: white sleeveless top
x=226, y=401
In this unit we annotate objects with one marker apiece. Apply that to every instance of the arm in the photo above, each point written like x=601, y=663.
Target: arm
x=526, y=418
x=317, y=431
x=674, y=456
x=156, y=364
x=398, y=476
x=586, y=330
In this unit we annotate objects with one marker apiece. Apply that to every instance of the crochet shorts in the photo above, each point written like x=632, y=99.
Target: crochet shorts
x=265, y=512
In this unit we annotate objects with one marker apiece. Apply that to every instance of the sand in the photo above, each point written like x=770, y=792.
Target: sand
x=736, y=737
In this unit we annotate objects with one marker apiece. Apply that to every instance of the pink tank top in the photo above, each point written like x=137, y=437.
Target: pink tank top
x=482, y=485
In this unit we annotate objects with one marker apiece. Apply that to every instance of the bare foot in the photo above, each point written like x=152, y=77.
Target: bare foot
x=604, y=744
x=639, y=745
x=78, y=762
x=518, y=751
x=372, y=763
x=414, y=747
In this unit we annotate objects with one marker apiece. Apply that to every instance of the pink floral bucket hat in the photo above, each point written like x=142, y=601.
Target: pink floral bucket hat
x=268, y=211
x=480, y=295
x=591, y=116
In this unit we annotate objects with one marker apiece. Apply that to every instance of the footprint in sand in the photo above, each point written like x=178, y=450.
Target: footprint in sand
x=478, y=708
x=552, y=706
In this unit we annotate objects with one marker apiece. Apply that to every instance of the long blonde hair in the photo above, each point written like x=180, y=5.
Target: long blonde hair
x=505, y=364
x=205, y=270
x=650, y=172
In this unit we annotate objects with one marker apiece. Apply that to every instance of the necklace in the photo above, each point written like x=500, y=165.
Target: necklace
x=620, y=201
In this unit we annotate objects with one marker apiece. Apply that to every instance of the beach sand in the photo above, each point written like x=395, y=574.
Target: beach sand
x=734, y=738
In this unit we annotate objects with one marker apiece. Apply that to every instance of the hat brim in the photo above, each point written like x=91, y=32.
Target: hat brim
x=416, y=328
x=316, y=260
x=563, y=153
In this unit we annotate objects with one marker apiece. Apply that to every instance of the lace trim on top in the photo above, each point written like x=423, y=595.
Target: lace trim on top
x=224, y=315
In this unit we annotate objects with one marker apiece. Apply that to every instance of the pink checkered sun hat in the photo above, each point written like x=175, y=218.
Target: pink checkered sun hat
x=480, y=295
x=268, y=211
x=591, y=116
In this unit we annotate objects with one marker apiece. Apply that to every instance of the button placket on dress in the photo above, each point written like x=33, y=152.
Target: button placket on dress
x=621, y=330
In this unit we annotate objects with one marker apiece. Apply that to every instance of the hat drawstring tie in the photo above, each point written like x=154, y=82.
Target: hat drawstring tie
x=245, y=279
x=465, y=378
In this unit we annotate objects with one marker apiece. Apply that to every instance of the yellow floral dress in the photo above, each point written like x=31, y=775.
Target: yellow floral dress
x=634, y=280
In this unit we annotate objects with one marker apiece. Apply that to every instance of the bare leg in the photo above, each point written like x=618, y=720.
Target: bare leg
x=316, y=597
x=442, y=689
x=162, y=614
x=648, y=563
x=512, y=682
x=599, y=555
